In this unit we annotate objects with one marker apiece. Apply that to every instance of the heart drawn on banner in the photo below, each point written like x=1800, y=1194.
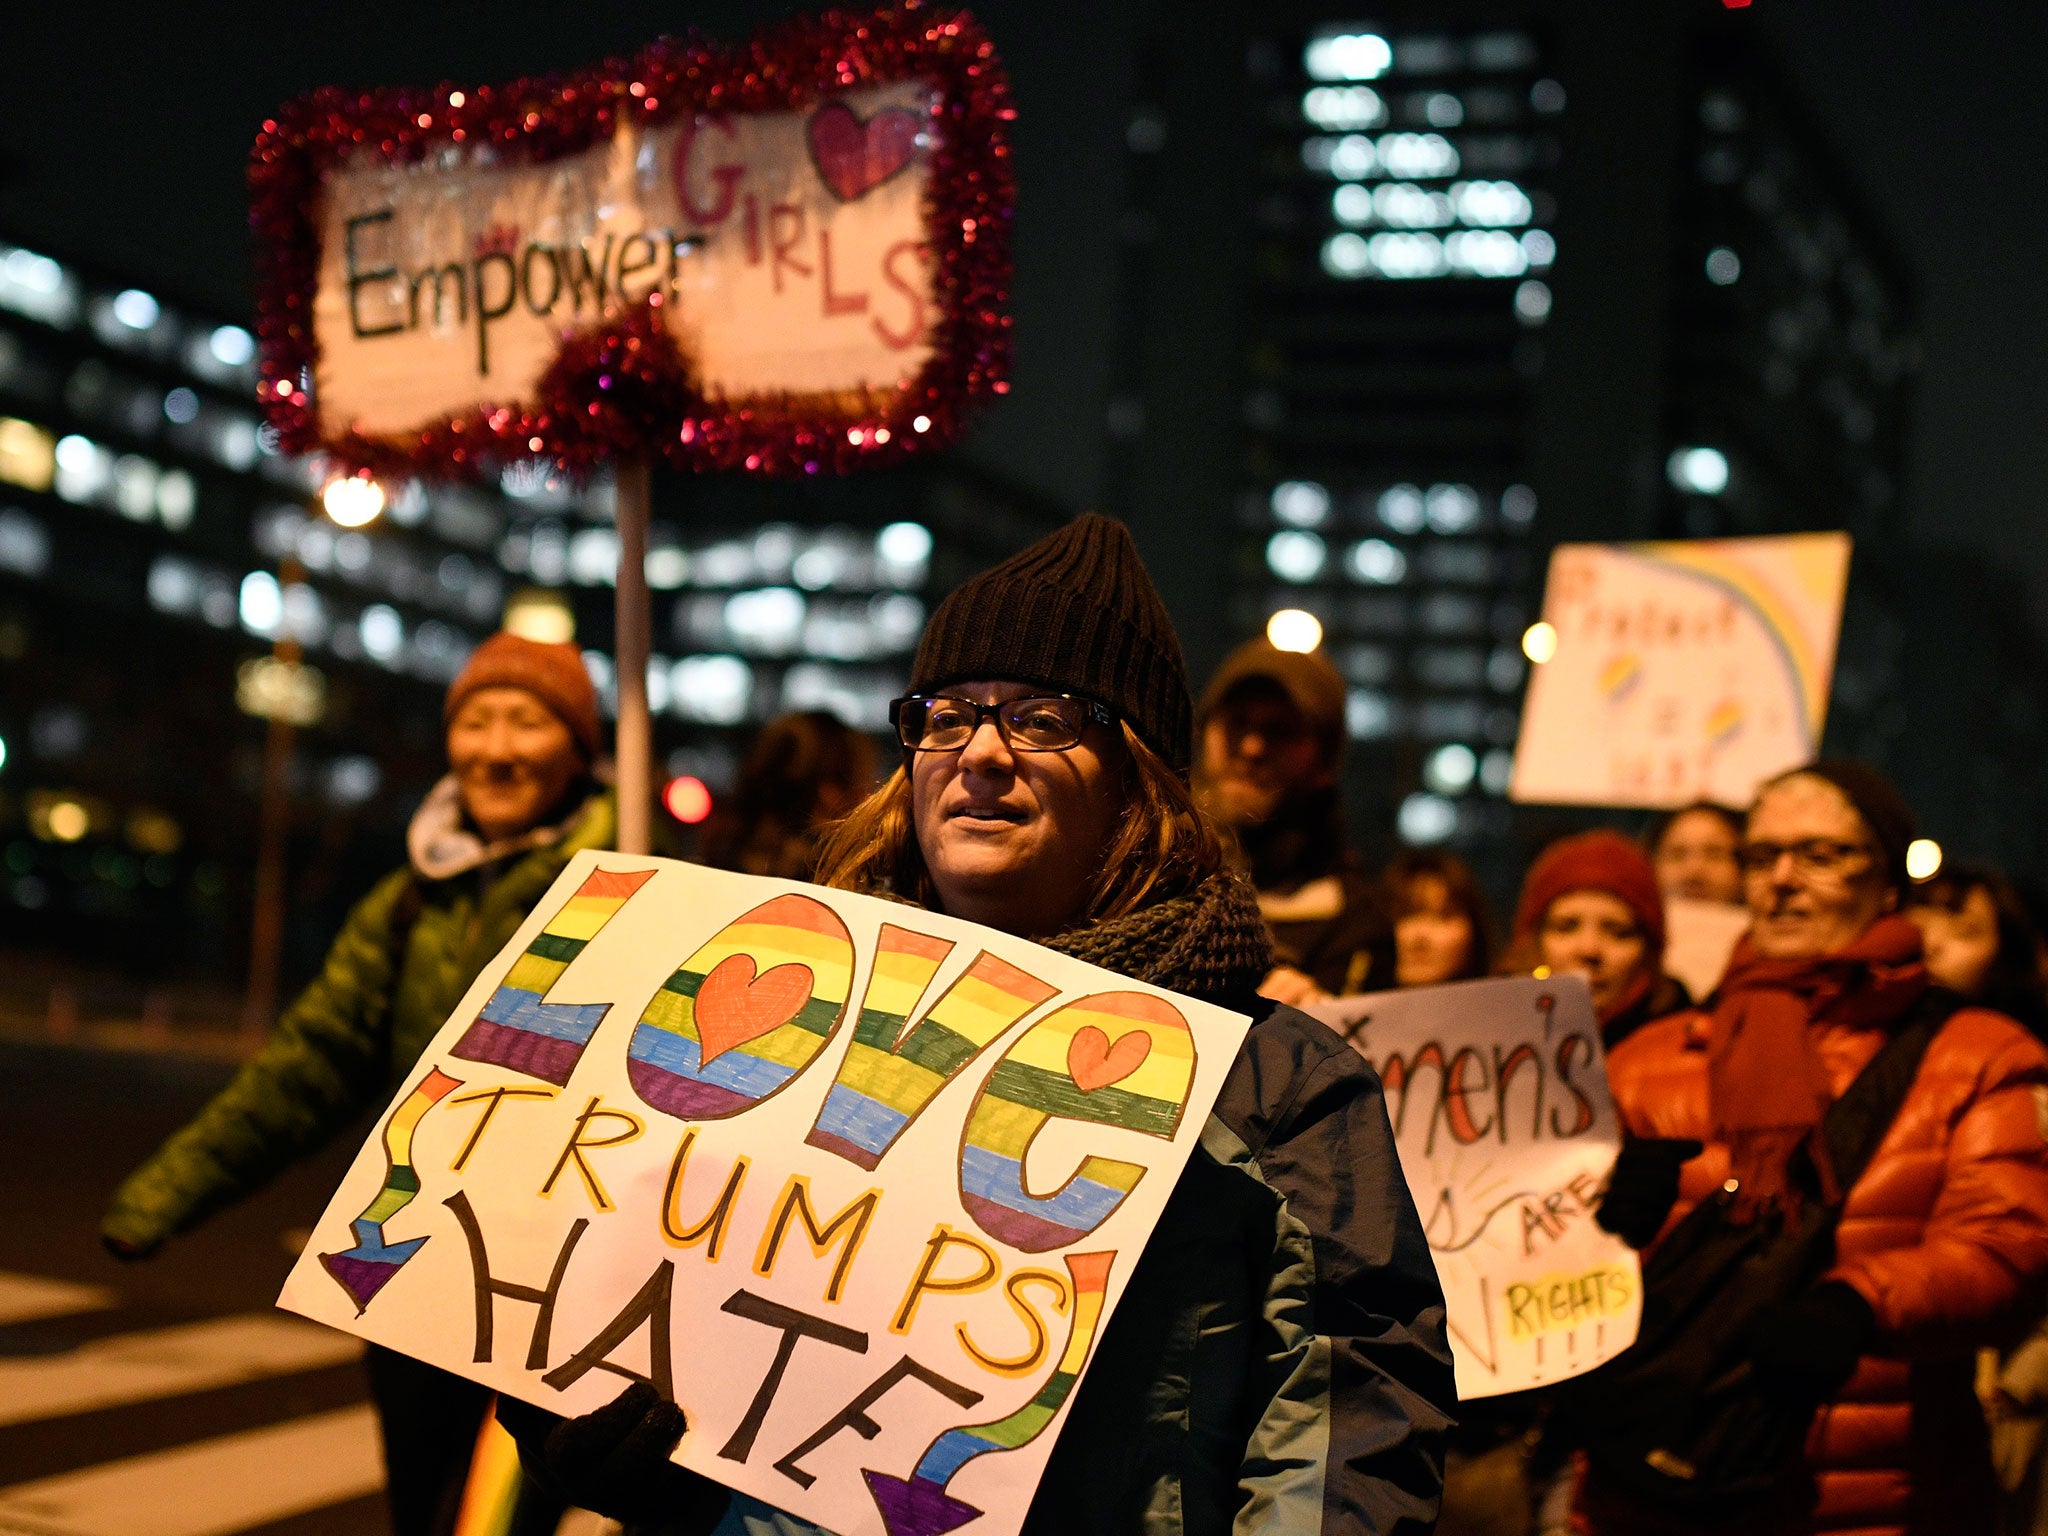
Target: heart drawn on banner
x=735, y=1006
x=1092, y=1062
x=855, y=157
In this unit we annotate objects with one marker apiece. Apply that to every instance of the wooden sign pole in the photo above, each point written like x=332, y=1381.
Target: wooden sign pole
x=633, y=746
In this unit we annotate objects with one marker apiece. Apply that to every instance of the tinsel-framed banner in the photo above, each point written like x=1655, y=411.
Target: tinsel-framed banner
x=788, y=256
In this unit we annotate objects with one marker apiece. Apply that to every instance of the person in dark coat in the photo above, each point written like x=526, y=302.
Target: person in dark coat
x=803, y=770
x=1269, y=751
x=1441, y=928
x=517, y=804
x=1981, y=941
x=1279, y=1362
x=1695, y=851
x=1982, y=944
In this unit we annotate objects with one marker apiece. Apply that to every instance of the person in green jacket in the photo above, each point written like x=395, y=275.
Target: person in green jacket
x=519, y=801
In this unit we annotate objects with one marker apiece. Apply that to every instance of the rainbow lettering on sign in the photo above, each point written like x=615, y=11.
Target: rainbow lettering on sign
x=1618, y=679
x=516, y=1028
x=746, y=1013
x=1724, y=720
x=365, y=1269
x=1787, y=597
x=1123, y=1059
x=919, y=1504
x=884, y=1082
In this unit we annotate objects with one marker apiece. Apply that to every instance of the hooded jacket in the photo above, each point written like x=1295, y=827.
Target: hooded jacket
x=1279, y=1362
x=1945, y=1235
x=403, y=959
x=1326, y=918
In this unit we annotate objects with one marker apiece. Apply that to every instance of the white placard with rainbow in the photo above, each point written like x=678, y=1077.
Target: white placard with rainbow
x=1681, y=671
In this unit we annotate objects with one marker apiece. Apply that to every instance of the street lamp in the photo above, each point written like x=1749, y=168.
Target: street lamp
x=353, y=501
x=287, y=693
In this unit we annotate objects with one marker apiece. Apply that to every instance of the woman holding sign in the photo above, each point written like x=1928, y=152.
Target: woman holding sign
x=1280, y=1359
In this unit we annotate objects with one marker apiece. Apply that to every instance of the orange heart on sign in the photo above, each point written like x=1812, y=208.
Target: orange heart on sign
x=1092, y=1062
x=735, y=1006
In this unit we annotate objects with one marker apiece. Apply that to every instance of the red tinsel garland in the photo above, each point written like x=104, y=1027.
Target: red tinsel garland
x=621, y=386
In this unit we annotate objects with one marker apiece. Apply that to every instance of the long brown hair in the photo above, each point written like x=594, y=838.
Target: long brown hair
x=803, y=768
x=1460, y=884
x=1163, y=847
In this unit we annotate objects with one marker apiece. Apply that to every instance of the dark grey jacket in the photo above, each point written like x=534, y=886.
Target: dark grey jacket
x=1279, y=1361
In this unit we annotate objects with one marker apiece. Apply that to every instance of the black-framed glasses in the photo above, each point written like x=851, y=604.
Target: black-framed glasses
x=932, y=722
x=1814, y=856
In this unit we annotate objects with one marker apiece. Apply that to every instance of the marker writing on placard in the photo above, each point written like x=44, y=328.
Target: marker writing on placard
x=1472, y=1087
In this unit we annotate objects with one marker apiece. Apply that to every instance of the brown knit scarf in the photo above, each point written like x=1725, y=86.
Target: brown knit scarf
x=1210, y=944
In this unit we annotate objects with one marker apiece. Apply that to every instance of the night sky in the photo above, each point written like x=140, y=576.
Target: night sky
x=125, y=144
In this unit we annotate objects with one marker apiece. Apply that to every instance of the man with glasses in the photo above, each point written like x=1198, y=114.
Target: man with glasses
x=1269, y=743
x=1942, y=1241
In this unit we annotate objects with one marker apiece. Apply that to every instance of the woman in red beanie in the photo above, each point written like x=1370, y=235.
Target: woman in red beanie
x=1590, y=906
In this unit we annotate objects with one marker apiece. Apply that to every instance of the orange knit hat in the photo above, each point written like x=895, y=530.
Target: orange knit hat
x=552, y=672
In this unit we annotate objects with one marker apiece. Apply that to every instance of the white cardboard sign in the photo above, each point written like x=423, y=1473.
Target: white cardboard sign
x=857, y=1184
x=1700, y=938
x=1498, y=1095
x=782, y=268
x=1689, y=670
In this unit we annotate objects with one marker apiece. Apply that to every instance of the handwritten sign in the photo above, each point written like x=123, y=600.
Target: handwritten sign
x=858, y=1185
x=1683, y=671
x=784, y=256
x=1498, y=1094
x=1700, y=936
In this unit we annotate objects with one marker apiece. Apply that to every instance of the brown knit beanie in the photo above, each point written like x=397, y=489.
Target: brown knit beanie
x=552, y=672
x=1075, y=612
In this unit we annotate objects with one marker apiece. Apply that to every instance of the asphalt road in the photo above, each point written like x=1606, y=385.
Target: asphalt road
x=168, y=1397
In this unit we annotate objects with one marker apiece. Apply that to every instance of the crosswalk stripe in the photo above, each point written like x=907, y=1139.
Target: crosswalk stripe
x=210, y=1488
x=166, y=1362
x=29, y=1298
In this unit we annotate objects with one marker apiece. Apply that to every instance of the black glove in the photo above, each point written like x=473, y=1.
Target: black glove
x=1805, y=1350
x=615, y=1461
x=1643, y=1186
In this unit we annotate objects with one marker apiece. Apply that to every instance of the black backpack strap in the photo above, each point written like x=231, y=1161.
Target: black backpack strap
x=1854, y=1125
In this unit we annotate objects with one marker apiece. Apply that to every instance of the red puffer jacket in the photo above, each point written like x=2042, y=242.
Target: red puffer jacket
x=1945, y=1235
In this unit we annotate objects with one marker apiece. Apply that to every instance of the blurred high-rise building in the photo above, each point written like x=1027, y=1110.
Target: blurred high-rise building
x=1414, y=292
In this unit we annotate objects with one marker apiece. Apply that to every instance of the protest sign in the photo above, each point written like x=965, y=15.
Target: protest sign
x=1498, y=1095
x=784, y=256
x=857, y=1184
x=1700, y=936
x=1682, y=671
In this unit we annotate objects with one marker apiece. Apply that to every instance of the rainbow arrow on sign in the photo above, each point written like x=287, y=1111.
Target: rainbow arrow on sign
x=365, y=1269
x=919, y=1504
